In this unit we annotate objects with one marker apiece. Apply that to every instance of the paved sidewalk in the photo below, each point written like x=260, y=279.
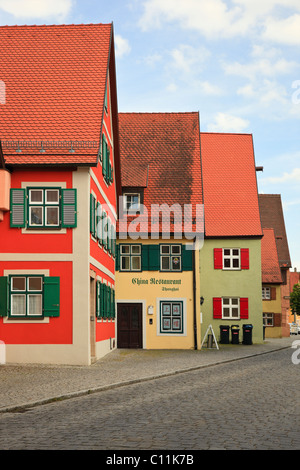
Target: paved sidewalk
x=31, y=384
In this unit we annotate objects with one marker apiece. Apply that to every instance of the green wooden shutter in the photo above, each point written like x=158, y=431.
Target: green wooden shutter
x=104, y=301
x=51, y=296
x=117, y=265
x=92, y=215
x=113, y=241
x=98, y=222
x=113, y=303
x=186, y=258
x=97, y=299
x=101, y=300
x=109, y=234
x=17, y=208
x=111, y=178
x=145, y=257
x=154, y=259
x=69, y=208
x=104, y=230
x=104, y=156
x=3, y=296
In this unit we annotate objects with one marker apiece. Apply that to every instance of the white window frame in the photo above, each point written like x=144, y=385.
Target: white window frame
x=170, y=255
x=268, y=317
x=266, y=293
x=133, y=208
x=44, y=205
x=26, y=293
x=231, y=257
x=130, y=255
x=230, y=305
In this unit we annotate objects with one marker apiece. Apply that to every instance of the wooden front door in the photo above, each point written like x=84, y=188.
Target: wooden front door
x=130, y=326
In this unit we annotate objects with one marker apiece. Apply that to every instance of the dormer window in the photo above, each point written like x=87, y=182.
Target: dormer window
x=131, y=202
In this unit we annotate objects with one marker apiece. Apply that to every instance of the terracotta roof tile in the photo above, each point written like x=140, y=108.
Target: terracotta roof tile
x=168, y=144
x=272, y=217
x=229, y=185
x=55, y=78
x=271, y=273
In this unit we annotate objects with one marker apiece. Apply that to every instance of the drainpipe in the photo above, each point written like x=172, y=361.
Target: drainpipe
x=194, y=300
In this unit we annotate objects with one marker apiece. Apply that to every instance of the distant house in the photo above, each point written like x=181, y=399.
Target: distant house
x=230, y=260
x=272, y=216
x=60, y=173
x=271, y=286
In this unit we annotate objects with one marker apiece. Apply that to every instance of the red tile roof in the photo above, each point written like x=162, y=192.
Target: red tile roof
x=272, y=216
x=229, y=185
x=168, y=145
x=55, y=78
x=271, y=273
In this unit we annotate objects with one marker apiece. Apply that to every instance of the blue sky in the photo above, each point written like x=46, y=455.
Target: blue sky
x=237, y=62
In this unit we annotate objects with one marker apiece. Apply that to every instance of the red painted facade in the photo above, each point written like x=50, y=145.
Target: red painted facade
x=67, y=257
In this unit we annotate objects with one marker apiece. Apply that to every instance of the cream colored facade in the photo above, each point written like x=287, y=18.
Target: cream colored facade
x=149, y=288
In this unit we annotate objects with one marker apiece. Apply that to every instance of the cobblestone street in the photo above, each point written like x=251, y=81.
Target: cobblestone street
x=247, y=404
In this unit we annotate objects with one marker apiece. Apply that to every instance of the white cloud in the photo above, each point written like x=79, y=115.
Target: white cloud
x=221, y=18
x=172, y=88
x=211, y=17
x=292, y=177
x=37, y=8
x=122, y=46
x=228, y=123
x=187, y=59
x=260, y=67
x=284, y=31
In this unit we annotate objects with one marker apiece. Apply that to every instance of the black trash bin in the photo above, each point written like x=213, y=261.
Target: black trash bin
x=235, y=332
x=224, y=334
x=247, y=334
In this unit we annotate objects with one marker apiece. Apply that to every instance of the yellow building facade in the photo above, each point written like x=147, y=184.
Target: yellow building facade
x=158, y=304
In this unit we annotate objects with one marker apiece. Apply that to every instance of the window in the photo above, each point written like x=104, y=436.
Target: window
x=231, y=258
x=26, y=294
x=268, y=319
x=230, y=307
x=266, y=293
x=171, y=317
x=131, y=202
x=107, y=169
x=170, y=257
x=130, y=258
x=105, y=301
x=176, y=259
x=43, y=207
x=46, y=208
x=101, y=226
